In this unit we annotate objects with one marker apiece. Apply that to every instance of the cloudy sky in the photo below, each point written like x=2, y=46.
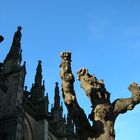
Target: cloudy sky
x=103, y=36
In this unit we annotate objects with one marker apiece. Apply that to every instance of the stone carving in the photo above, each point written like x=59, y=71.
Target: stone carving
x=104, y=113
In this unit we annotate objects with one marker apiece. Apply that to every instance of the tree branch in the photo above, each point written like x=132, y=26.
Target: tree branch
x=76, y=112
x=94, y=89
x=122, y=105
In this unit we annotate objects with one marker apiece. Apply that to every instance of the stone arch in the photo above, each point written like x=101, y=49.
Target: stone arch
x=50, y=137
x=28, y=131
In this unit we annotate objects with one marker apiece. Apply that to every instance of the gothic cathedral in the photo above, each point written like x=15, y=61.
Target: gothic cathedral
x=24, y=115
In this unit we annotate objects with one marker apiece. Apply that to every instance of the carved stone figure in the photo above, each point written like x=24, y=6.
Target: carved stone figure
x=104, y=113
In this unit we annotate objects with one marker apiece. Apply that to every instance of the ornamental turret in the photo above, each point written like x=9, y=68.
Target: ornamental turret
x=56, y=97
x=38, y=88
x=38, y=76
x=13, y=59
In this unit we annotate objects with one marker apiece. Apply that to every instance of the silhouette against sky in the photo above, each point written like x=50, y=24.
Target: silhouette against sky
x=103, y=36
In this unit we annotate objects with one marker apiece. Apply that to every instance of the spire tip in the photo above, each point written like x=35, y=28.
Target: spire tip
x=19, y=28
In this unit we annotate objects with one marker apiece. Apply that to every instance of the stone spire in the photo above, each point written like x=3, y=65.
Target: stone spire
x=38, y=76
x=57, y=109
x=47, y=98
x=15, y=51
x=56, y=97
x=38, y=89
x=13, y=59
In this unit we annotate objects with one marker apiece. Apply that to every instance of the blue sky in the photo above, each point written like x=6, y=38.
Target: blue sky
x=103, y=36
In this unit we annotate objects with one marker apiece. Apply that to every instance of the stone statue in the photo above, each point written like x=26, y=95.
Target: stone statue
x=104, y=113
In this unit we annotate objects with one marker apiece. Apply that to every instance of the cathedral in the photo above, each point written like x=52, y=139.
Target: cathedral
x=24, y=115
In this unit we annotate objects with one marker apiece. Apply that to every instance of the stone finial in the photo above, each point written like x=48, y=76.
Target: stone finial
x=38, y=76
